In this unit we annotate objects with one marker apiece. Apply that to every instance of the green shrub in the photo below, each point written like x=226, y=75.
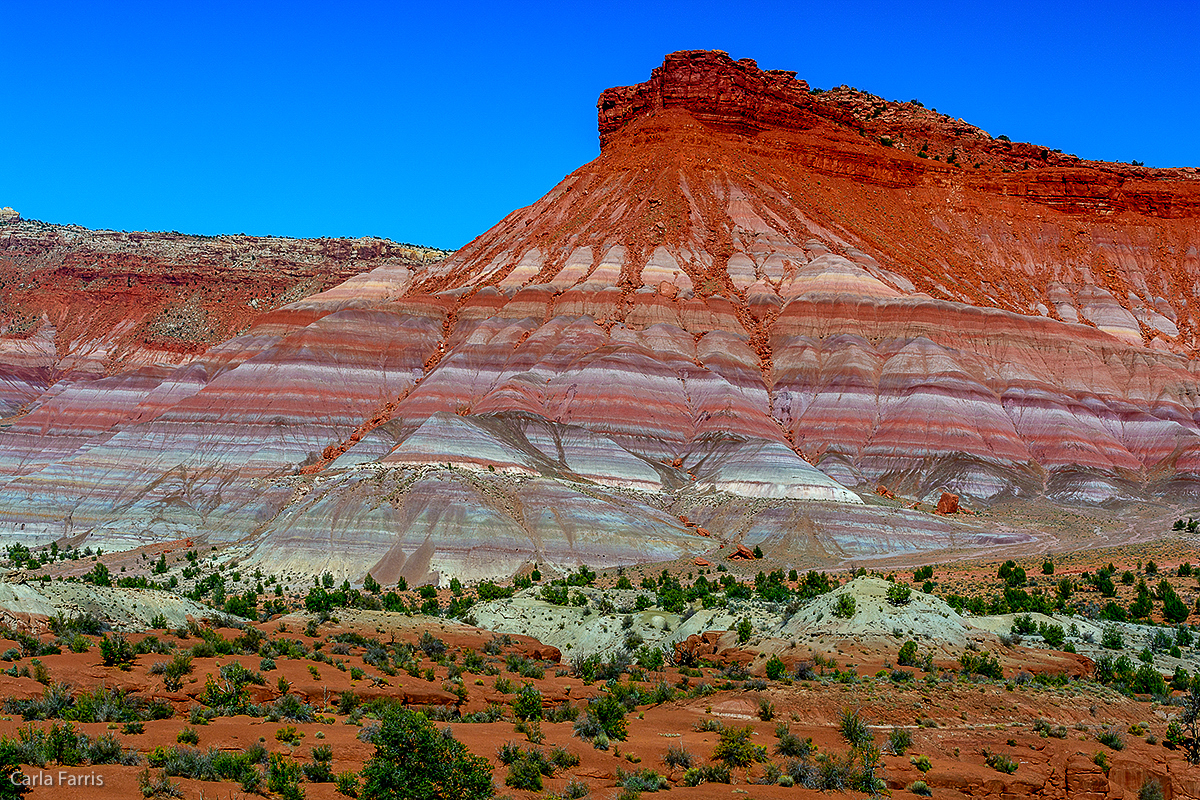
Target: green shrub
x=527, y=703
x=563, y=758
x=1111, y=738
x=1011, y=574
x=921, y=762
x=651, y=658
x=1174, y=610
x=414, y=760
x=899, y=740
x=999, y=762
x=1174, y=737
x=677, y=756
x=646, y=780
x=346, y=783
x=283, y=776
x=524, y=774
x=610, y=714
x=907, y=656
x=790, y=744
x=735, y=749
x=574, y=790
x=984, y=664
x=1111, y=638
x=899, y=594
x=116, y=651
x=1053, y=634
x=776, y=669
x=845, y=606
x=1150, y=790
x=766, y=709
x=321, y=768
x=854, y=728
x=158, y=785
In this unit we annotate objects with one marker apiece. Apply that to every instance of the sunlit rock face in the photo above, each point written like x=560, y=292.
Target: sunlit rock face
x=757, y=303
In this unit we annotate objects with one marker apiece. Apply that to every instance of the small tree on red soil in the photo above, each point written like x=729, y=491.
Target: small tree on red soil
x=415, y=761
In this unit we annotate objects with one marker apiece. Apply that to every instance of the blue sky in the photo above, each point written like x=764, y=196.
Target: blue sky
x=428, y=122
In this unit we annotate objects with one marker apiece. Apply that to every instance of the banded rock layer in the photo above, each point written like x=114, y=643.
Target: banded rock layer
x=748, y=306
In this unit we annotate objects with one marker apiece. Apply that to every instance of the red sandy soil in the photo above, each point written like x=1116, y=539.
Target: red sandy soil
x=952, y=720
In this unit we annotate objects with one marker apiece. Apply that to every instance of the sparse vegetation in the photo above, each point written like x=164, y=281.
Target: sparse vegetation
x=999, y=762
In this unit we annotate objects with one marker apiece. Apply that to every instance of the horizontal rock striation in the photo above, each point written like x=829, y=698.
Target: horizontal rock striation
x=749, y=308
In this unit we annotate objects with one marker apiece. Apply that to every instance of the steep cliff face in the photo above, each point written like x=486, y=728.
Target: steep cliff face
x=757, y=299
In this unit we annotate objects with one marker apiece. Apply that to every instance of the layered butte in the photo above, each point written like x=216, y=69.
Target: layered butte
x=759, y=303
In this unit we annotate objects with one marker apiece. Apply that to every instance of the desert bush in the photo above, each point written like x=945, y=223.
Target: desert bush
x=574, y=790
x=610, y=713
x=527, y=703
x=1044, y=729
x=899, y=740
x=984, y=664
x=432, y=646
x=1111, y=638
x=1150, y=789
x=1111, y=738
x=735, y=749
x=790, y=744
x=678, y=757
x=588, y=727
x=321, y=768
x=805, y=671
x=157, y=785
x=563, y=758
x=999, y=762
x=1053, y=634
x=414, y=760
x=346, y=784
x=854, y=728
x=645, y=780
x=776, y=669
x=116, y=651
x=899, y=594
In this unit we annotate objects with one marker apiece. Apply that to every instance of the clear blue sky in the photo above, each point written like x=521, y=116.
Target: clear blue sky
x=427, y=122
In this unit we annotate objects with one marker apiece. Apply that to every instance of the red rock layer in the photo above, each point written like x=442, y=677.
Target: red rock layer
x=75, y=302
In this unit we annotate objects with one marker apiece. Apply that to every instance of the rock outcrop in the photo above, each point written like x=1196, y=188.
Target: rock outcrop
x=758, y=296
